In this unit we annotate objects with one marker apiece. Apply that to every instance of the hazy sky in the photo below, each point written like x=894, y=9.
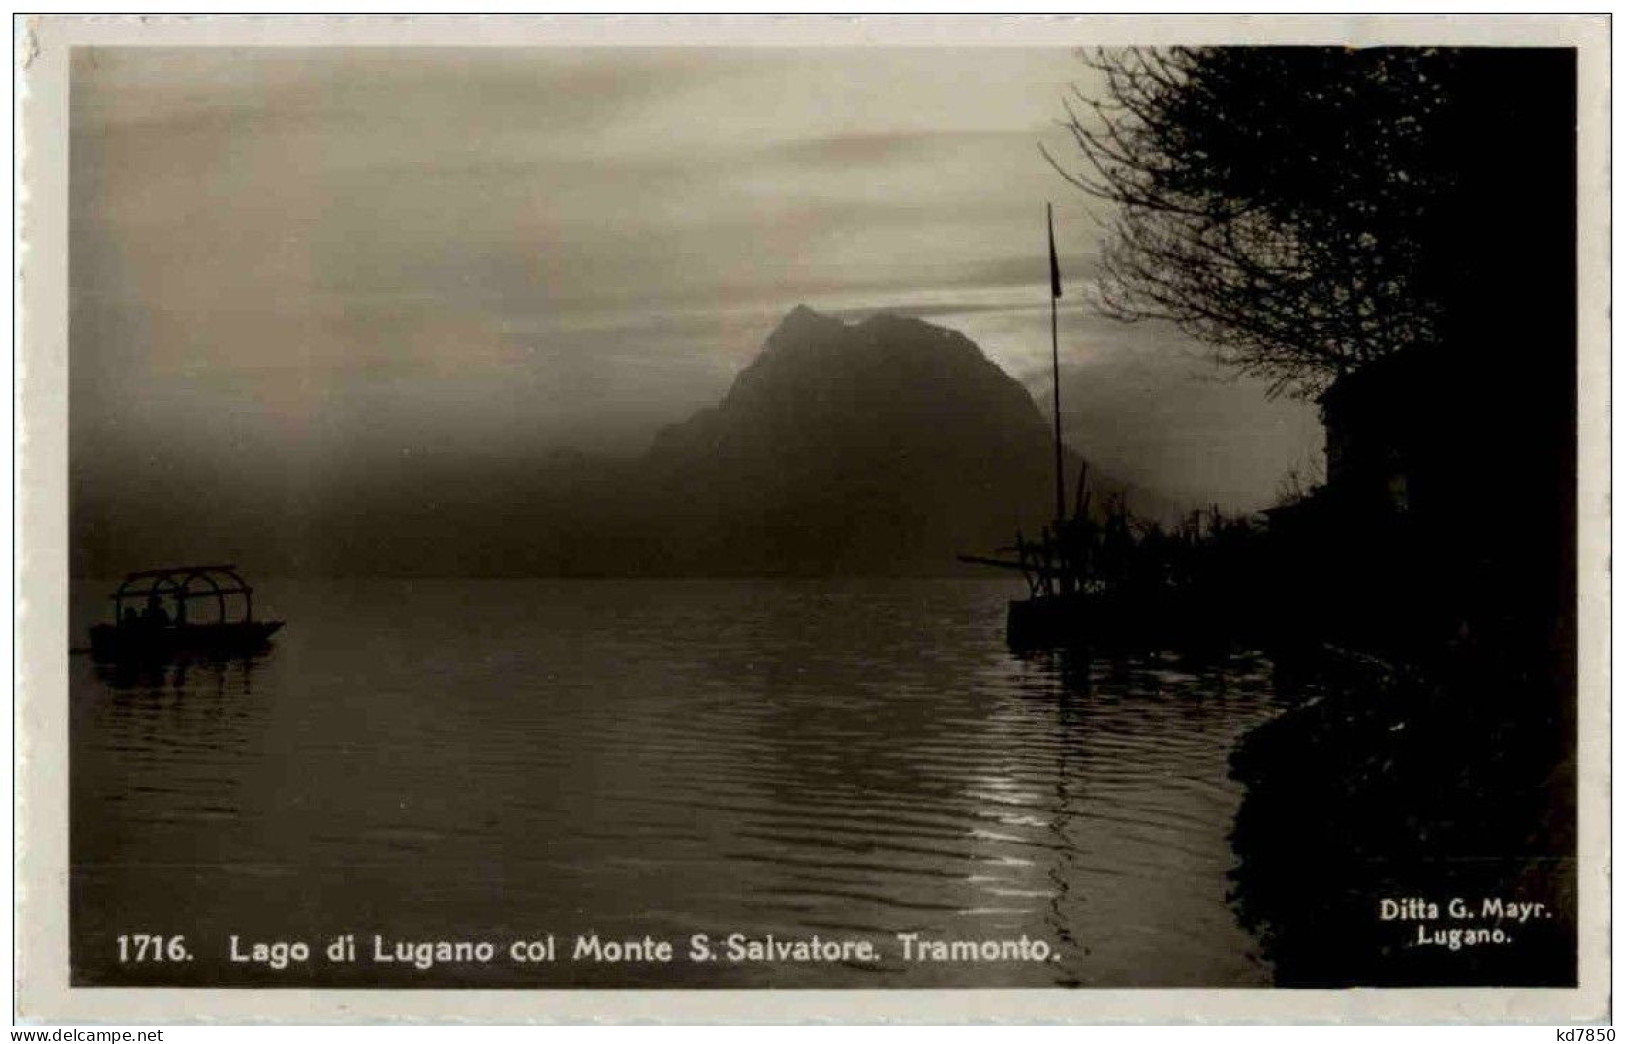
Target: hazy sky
x=319, y=256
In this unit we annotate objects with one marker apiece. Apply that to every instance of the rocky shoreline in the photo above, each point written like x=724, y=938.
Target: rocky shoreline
x=1387, y=792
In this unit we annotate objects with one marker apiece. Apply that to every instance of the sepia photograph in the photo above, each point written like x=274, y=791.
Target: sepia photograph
x=1071, y=511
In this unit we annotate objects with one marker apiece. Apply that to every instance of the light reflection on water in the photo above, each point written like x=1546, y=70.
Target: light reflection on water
x=505, y=759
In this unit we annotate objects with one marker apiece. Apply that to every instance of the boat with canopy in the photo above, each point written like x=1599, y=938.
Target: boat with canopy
x=181, y=610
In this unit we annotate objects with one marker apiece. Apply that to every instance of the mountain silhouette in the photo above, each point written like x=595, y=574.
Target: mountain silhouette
x=876, y=447
x=879, y=447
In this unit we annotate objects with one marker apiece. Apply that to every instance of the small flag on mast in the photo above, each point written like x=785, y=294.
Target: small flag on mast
x=1054, y=264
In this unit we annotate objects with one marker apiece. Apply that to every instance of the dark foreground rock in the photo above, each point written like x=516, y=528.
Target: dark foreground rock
x=1399, y=827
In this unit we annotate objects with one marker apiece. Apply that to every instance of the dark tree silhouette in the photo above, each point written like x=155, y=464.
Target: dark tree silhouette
x=1306, y=210
x=1392, y=230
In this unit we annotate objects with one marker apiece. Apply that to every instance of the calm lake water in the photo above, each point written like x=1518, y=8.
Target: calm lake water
x=504, y=760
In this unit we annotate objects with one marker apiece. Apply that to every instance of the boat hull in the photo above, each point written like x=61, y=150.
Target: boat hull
x=110, y=642
x=1049, y=622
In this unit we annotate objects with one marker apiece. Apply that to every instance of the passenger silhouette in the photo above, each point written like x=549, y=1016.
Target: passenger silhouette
x=155, y=615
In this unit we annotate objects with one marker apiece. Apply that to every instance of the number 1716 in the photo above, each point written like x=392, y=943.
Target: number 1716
x=141, y=948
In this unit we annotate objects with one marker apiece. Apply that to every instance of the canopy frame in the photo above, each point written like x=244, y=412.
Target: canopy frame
x=185, y=584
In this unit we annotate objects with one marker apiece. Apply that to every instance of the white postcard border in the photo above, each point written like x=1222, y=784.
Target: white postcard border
x=40, y=713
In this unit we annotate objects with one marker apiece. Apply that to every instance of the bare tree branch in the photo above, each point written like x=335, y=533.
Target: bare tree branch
x=1269, y=199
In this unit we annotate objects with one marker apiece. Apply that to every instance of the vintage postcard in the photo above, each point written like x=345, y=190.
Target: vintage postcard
x=787, y=518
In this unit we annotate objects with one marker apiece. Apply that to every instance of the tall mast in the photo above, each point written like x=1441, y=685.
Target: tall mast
x=1055, y=360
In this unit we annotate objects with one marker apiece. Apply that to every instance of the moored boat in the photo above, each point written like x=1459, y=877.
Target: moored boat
x=1063, y=592
x=168, y=626
x=1065, y=600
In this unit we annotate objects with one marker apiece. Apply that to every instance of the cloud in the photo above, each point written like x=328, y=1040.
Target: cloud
x=283, y=248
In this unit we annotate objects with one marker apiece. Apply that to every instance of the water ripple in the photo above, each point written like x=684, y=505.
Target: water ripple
x=785, y=758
